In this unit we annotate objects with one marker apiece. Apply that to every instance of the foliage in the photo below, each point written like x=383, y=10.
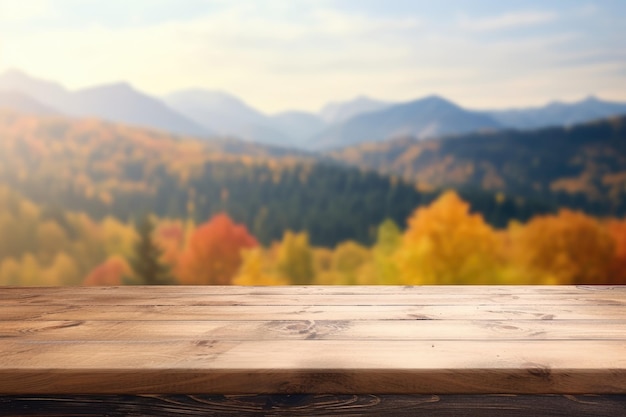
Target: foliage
x=146, y=262
x=81, y=182
x=617, y=269
x=346, y=261
x=295, y=259
x=107, y=170
x=259, y=268
x=385, y=269
x=581, y=167
x=213, y=254
x=111, y=272
x=446, y=244
x=567, y=248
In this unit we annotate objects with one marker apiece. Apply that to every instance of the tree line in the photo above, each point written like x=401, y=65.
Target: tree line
x=109, y=170
x=443, y=243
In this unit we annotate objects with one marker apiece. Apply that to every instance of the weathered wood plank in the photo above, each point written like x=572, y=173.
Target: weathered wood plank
x=313, y=366
x=321, y=290
x=165, y=331
x=495, y=311
x=167, y=299
x=344, y=340
x=317, y=405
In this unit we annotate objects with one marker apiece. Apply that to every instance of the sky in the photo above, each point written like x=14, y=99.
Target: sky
x=282, y=55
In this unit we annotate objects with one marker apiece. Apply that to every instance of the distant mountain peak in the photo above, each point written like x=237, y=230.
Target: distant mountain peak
x=205, y=93
x=364, y=98
x=17, y=101
x=14, y=73
x=121, y=85
x=19, y=79
x=591, y=98
x=552, y=104
x=337, y=112
x=558, y=113
x=424, y=118
x=115, y=87
x=435, y=99
x=207, y=97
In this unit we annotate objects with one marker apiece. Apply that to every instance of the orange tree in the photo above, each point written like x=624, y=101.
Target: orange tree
x=213, y=253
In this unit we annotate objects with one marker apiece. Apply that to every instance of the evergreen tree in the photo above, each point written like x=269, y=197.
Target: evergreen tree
x=146, y=262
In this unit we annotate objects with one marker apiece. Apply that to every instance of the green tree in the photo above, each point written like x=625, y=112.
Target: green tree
x=146, y=262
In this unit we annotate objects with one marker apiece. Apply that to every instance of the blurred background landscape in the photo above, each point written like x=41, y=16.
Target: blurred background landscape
x=323, y=142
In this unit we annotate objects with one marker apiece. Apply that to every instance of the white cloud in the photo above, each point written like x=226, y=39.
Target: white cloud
x=507, y=21
x=257, y=53
x=280, y=55
x=12, y=10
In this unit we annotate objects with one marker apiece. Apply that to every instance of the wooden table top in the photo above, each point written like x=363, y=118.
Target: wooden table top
x=384, y=340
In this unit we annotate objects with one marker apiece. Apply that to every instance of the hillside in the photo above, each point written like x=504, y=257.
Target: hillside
x=209, y=113
x=225, y=114
x=12, y=100
x=338, y=112
x=102, y=168
x=559, y=114
x=581, y=167
x=424, y=119
x=118, y=102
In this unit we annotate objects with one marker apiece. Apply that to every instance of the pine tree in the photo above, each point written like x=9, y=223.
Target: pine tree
x=146, y=263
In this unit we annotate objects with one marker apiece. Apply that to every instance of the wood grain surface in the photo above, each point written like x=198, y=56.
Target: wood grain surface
x=452, y=341
x=317, y=405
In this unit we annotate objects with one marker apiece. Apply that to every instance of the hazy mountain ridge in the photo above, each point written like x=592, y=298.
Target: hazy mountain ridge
x=118, y=102
x=559, y=113
x=206, y=113
x=13, y=100
x=425, y=118
x=226, y=115
x=581, y=166
x=107, y=169
x=341, y=111
x=298, y=125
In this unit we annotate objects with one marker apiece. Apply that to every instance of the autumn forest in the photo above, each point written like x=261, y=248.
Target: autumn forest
x=87, y=202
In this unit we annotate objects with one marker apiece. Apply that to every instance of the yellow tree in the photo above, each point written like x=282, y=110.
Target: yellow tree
x=566, y=248
x=51, y=239
x=347, y=261
x=10, y=271
x=118, y=238
x=62, y=271
x=381, y=267
x=30, y=271
x=295, y=258
x=259, y=268
x=446, y=244
x=388, y=241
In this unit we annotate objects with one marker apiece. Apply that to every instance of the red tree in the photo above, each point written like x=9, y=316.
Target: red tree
x=213, y=254
x=110, y=272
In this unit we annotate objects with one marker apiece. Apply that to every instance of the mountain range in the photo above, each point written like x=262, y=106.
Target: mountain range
x=582, y=166
x=114, y=102
x=207, y=113
x=558, y=113
x=424, y=119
